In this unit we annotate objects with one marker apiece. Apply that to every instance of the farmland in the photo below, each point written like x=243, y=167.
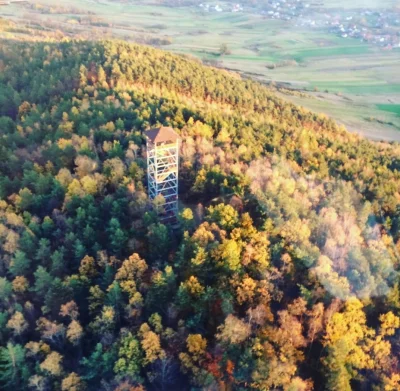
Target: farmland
x=355, y=82
x=390, y=108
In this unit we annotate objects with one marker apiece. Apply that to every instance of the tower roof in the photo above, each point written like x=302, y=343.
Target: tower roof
x=162, y=135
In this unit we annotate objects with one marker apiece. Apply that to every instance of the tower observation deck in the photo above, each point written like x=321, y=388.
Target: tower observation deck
x=162, y=169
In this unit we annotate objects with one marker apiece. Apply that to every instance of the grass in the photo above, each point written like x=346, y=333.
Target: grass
x=360, y=88
x=302, y=55
x=391, y=108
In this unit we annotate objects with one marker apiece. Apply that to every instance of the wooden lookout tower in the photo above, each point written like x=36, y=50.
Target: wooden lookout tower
x=162, y=169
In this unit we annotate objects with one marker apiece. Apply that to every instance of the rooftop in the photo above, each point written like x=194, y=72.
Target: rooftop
x=162, y=135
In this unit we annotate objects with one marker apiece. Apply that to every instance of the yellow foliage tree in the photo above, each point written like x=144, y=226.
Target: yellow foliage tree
x=52, y=364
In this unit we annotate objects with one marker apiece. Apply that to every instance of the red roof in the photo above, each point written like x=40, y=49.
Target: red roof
x=162, y=135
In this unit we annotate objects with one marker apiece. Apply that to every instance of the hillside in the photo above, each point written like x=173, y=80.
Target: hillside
x=335, y=57
x=283, y=275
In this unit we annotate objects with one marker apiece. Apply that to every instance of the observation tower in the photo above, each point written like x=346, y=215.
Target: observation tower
x=162, y=169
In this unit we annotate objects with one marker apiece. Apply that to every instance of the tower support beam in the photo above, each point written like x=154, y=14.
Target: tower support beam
x=162, y=170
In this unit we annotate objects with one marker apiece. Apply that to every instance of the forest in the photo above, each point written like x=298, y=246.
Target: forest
x=282, y=276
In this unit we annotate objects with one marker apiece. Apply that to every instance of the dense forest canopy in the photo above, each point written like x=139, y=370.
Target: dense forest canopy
x=283, y=274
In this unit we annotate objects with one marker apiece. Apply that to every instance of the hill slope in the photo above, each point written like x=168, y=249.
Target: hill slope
x=290, y=231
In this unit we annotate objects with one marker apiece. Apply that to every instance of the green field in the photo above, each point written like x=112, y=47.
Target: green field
x=269, y=50
x=390, y=108
x=357, y=88
x=331, y=51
